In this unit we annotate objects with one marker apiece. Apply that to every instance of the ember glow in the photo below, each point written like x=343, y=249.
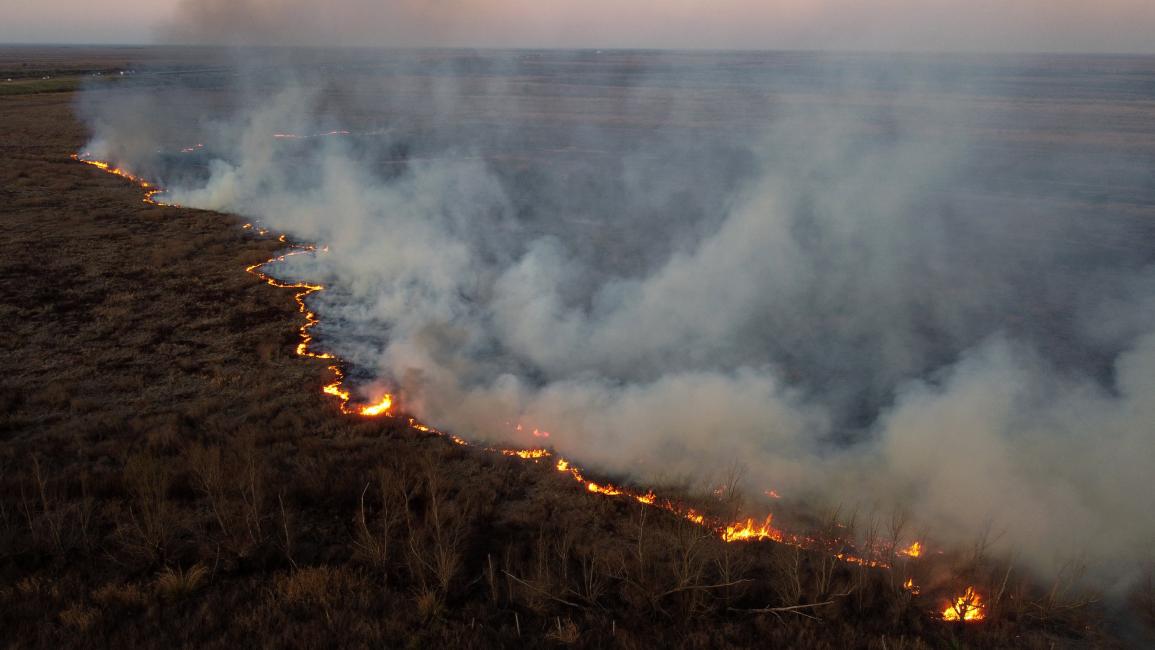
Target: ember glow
x=967, y=607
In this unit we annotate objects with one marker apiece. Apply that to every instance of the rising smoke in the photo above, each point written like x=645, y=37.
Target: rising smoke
x=859, y=277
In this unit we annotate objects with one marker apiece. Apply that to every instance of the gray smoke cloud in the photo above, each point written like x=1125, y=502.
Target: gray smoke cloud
x=1111, y=26
x=859, y=278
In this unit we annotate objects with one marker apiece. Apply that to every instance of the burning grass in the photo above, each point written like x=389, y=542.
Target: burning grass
x=175, y=470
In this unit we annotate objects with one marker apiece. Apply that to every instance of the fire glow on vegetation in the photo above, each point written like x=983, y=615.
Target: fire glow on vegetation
x=748, y=530
x=910, y=586
x=967, y=607
x=336, y=387
x=302, y=290
x=150, y=190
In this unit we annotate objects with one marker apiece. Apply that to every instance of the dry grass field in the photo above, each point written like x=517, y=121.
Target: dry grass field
x=172, y=476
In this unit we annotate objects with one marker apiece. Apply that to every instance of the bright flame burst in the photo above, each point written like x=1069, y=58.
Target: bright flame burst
x=967, y=607
x=914, y=550
x=743, y=531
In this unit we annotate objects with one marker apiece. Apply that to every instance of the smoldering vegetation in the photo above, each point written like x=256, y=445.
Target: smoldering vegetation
x=876, y=280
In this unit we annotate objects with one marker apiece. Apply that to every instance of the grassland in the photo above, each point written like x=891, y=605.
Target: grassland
x=171, y=476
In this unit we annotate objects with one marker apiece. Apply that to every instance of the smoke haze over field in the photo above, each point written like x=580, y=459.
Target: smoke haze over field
x=874, y=280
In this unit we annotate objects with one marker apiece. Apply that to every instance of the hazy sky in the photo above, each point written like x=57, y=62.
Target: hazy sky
x=1014, y=25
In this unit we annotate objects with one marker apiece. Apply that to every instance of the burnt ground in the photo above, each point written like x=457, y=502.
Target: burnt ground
x=170, y=475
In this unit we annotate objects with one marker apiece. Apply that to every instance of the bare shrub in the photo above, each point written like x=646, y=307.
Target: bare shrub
x=373, y=531
x=252, y=488
x=436, y=541
x=566, y=632
x=120, y=596
x=175, y=584
x=150, y=524
x=79, y=617
x=209, y=477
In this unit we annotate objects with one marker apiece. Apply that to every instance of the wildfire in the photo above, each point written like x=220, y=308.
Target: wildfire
x=914, y=550
x=526, y=454
x=382, y=406
x=910, y=586
x=537, y=433
x=747, y=530
x=608, y=490
x=302, y=291
x=967, y=607
x=150, y=190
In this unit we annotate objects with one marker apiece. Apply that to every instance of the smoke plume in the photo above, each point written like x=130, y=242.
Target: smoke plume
x=871, y=280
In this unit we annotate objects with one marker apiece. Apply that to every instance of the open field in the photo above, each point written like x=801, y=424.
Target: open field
x=172, y=476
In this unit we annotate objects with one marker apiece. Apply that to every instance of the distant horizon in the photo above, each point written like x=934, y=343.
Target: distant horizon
x=516, y=48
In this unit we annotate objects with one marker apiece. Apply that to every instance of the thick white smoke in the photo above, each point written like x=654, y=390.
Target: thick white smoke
x=838, y=315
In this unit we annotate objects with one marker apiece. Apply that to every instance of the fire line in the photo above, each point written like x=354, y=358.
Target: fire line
x=967, y=606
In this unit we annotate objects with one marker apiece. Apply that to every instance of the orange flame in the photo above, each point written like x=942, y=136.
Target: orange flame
x=914, y=550
x=608, y=490
x=910, y=586
x=335, y=388
x=747, y=530
x=150, y=190
x=382, y=406
x=526, y=454
x=967, y=607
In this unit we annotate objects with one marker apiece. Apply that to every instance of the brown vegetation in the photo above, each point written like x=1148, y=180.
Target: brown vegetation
x=170, y=475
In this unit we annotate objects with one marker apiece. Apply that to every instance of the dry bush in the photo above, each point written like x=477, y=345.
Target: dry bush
x=566, y=632
x=374, y=530
x=208, y=471
x=1066, y=604
x=429, y=603
x=788, y=574
x=251, y=473
x=175, y=584
x=79, y=617
x=120, y=596
x=436, y=540
x=150, y=524
x=323, y=589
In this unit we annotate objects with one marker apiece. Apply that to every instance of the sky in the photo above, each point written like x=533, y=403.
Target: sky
x=889, y=25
